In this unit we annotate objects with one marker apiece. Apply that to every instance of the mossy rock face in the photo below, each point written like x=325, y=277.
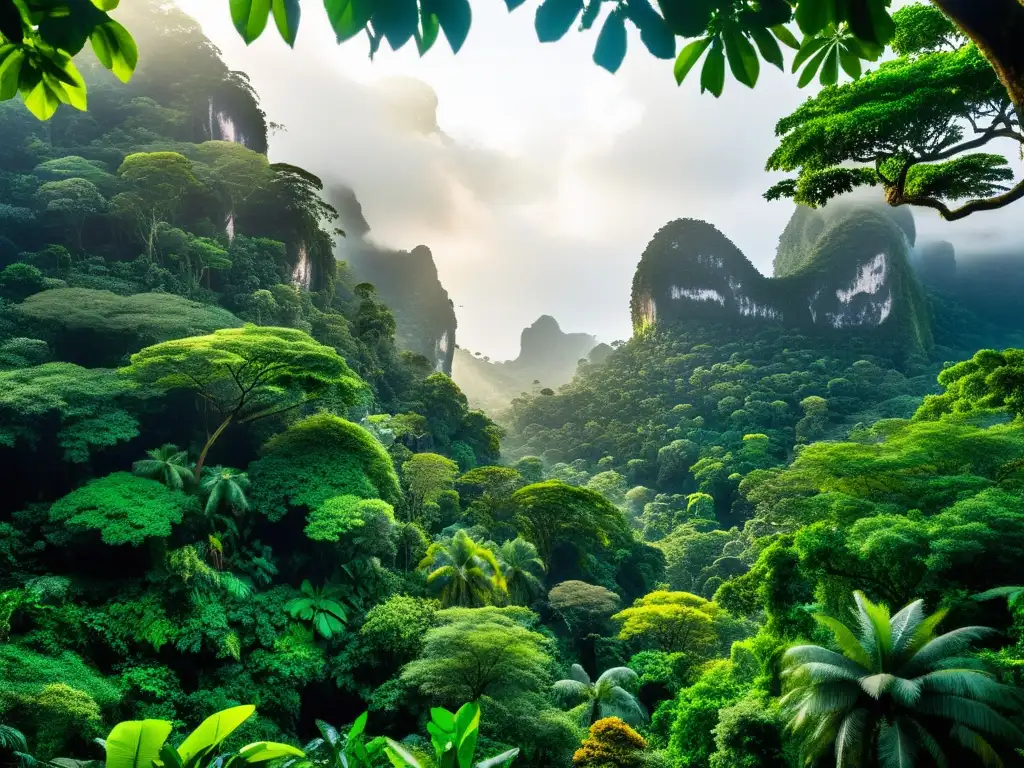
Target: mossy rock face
x=855, y=277
x=798, y=240
x=407, y=281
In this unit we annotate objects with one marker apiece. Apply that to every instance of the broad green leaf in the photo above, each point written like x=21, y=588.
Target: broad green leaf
x=870, y=21
x=687, y=18
x=467, y=729
x=115, y=49
x=136, y=743
x=743, y=60
x=654, y=33
x=213, y=730
x=426, y=34
x=286, y=15
x=40, y=98
x=169, y=757
x=813, y=15
x=10, y=71
x=400, y=757
x=768, y=46
x=555, y=17
x=786, y=37
x=712, y=76
x=262, y=751
x=811, y=45
x=106, y=5
x=250, y=17
x=851, y=62
x=68, y=31
x=444, y=719
x=830, y=68
x=689, y=56
x=513, y=4
x=358, y=727
x=611, y=43
x=455, y=18
x=812, y=67
x=348, y=17
x=499, y=761
x=396, y=20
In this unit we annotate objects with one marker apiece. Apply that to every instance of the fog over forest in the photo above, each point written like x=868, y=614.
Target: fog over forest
x=552, y=174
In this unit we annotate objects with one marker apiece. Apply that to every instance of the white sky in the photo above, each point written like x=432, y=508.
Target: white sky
x=557, y=173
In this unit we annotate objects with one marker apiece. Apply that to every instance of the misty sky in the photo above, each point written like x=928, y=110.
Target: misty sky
x=550, y=175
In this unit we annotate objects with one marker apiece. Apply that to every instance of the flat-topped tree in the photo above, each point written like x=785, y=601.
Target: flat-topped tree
x=246, y=374
x=914, y=127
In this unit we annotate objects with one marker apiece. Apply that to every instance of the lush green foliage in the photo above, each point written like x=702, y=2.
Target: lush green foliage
x=911, y=126
x=273, y=505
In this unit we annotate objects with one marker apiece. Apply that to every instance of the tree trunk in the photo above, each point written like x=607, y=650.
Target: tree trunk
x=197, y=476
x=997, y=27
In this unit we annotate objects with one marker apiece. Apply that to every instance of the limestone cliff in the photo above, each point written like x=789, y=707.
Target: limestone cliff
x=547, y=359
x=850, y=273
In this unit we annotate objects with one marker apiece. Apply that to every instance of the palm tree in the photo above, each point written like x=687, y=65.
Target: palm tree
x=611, y=696
x=898, y=694
x=225, y=487
x=466, y=573
x=321, y=606
x=166, y=464
x=521, y=568
x=14, y=749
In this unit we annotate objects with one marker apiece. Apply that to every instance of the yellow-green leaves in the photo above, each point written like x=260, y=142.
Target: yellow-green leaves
x=46, y=82
x=250, y=17
x=11, y=57
x=36, y=61
x=136, y=743
x=115, y=49
x=689, y=56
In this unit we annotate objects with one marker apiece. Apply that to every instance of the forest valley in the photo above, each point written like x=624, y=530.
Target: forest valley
x=242, y=524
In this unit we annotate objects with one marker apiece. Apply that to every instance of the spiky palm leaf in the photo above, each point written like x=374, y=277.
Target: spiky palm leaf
x=897, y=694
x=521, y=567
x=464, y=572
x=166, y=464
x=225, y=488
x=610, y=696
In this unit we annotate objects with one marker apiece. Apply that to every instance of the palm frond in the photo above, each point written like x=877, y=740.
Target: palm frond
x=925, y=739
x=624, y=677
x=571, y=691
x=1012, y=594
x=804, y=654
x=905, y=623
x=846, y=640
x=977, y=744
x=850, y=736
x=876, y=632
x=971, y=714
x=623, y=705
x=953, y=642
x=895, y=747
x=970, y=683
x=577, y=672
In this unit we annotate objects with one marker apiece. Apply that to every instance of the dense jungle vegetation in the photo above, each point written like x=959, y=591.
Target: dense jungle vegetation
x=230, y=494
